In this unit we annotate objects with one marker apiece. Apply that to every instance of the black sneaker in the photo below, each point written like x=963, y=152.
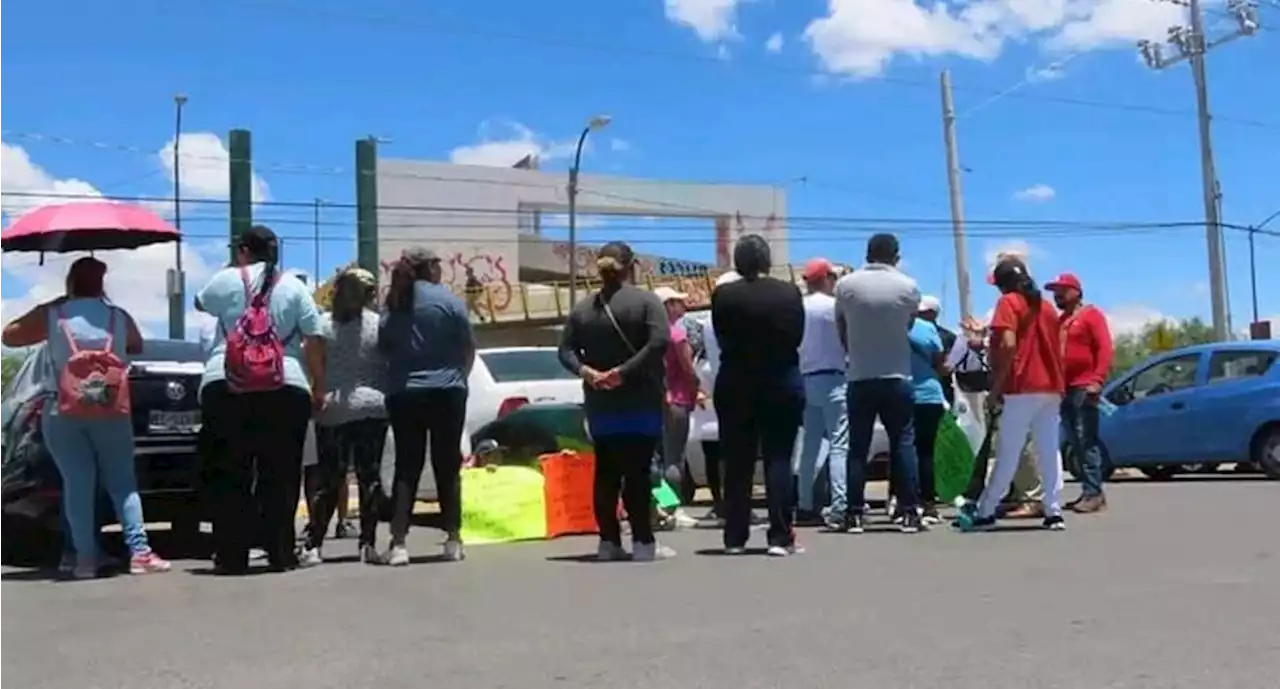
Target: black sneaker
x=1055, y=523
x=930, y=516
x=910, y=521
x=849, y=523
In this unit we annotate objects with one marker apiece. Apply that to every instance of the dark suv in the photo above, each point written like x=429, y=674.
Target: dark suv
x=164, y=385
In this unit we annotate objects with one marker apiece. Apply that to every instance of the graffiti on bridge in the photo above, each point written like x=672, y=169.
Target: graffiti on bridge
x=490, y=271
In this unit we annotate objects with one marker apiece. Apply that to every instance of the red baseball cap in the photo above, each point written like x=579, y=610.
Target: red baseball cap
x=1064, y=280
x=818, y=268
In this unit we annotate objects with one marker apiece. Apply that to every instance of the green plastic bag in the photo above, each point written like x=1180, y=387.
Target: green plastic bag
x=952, y=460
x=665, y=496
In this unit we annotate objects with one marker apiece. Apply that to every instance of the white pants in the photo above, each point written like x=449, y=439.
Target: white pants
x=1026, y=480
x=1036, y=414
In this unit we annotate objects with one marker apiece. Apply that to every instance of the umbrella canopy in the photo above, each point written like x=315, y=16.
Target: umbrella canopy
x=94, y=226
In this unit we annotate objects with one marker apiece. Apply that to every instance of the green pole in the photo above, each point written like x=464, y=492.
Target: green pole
x=240, y=149
x=367, y=205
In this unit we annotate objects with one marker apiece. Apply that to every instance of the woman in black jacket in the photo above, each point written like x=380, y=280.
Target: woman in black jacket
x=759, y=398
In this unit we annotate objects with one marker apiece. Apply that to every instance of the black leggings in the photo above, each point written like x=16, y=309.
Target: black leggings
x=415, y=414
x=927, y=418
x=715, y=474
x=358, y=444
x=252, y=433
x=622, y=466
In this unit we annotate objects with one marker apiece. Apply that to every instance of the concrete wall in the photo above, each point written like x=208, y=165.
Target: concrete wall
x=472, y=216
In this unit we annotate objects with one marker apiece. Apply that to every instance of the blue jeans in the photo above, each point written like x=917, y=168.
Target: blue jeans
x=1080, y=426
x=891, y=400
x=89, y=454
x=824, y=417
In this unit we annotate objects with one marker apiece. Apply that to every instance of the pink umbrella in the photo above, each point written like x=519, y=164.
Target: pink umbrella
x=94, y=226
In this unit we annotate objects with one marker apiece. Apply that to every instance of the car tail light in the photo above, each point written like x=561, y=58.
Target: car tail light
x=511, y=404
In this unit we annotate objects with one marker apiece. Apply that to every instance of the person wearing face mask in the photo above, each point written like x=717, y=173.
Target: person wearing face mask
x=1086, y=360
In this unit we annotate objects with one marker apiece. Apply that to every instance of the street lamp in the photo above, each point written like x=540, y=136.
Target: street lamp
x=597, y=122
x=1253, y=267
x=177, y=280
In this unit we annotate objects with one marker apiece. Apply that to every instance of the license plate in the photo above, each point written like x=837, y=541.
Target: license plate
x=174, y=421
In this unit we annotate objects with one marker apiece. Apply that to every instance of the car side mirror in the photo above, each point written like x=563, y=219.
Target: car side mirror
x=1120, y=396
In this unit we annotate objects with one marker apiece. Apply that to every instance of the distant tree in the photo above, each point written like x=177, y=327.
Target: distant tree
x=1155, y=337
x=10, y=363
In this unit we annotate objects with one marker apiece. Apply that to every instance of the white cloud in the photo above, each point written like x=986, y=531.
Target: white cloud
x=774, y=43
x=1129, y=319
x=619, y=145
x=21, y=176
x=859, y=38
x=135, y=279
x=994, y=251
x=206, y=168
x=1036, y=193
x=505, y=150
x=712, y=20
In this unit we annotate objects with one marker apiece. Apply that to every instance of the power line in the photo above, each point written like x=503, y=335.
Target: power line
x=401, y=23
x=791, y=222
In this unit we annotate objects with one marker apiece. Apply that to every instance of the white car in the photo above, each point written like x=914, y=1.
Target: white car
x=503, y=379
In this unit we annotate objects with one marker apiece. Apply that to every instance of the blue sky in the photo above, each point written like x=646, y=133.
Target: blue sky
x=837, y=101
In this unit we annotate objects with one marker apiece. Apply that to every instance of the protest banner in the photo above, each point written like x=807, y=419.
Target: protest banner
x=502, y=504
x=567, y=490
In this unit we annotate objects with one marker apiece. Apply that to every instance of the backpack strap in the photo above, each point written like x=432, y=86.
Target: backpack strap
x=71, y=339
x=249, y=296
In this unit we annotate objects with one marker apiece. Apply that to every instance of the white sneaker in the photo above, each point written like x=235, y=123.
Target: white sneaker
x=309, y=557
x=453, y=551
x=650, y=552
x=611, y=552
x=370, y=556
x=398, y=556
x=684, y=520
x=785, y=550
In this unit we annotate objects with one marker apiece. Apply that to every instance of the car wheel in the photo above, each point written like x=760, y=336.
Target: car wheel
x=1161, y=472
x=1266, y=451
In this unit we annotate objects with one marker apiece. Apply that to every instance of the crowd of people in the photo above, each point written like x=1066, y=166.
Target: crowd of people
x=772, y=363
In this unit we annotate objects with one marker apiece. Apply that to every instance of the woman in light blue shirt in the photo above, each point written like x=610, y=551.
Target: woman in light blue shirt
x=255, y=438
x=89, y=451
x=930, y=404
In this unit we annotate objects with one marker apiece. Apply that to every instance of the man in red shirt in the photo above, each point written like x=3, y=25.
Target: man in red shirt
x=1027, y=383
x=1086, y=360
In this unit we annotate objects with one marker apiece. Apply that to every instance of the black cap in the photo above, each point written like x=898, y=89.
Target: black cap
x=1008, y=270
x=882, y=248
x=261, y=242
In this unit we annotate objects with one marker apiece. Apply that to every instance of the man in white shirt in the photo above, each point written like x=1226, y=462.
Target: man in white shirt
x=822, y=366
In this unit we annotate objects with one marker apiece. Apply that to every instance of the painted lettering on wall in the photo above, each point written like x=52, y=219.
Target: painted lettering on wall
x=488, y=268
x=586, y=260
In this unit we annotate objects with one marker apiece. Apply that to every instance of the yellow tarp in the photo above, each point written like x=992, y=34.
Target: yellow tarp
x=502, y=504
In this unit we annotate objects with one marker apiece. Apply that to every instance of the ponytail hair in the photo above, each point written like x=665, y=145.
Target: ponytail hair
x=400, y=292
x=615, y=262
x=260, y=245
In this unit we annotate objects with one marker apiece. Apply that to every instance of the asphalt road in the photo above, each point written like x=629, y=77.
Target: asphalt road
x=1176, y=586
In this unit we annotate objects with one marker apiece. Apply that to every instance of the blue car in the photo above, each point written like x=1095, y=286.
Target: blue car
x=1202, y=405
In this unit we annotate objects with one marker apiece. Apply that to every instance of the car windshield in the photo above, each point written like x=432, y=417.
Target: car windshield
x=182, y=351
x=521, y=365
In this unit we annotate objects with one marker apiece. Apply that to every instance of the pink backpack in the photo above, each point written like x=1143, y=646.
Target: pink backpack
x=254, y=360
x=94, y=384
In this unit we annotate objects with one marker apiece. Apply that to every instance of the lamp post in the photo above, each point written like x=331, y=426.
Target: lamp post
x=177, y=280
x=1253, y=267
x=597, y=122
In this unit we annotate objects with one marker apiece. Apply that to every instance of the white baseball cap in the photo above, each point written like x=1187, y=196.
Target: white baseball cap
x=666, y=294
x=929, y=303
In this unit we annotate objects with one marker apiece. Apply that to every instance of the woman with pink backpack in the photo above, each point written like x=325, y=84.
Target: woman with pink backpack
x=88, y=429
x=263, y=377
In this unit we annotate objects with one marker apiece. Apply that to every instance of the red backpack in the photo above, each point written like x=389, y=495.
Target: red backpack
x=94, y=384
x=254, y=360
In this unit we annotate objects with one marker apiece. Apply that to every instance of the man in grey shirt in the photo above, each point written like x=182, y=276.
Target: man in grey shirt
x=875, y=307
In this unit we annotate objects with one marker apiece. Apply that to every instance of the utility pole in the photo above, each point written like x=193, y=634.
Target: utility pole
x=1253, y=265
x=315, y=226
x=1193, y=45
x=957, y=203
x=597, y=122
x=177, y=280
